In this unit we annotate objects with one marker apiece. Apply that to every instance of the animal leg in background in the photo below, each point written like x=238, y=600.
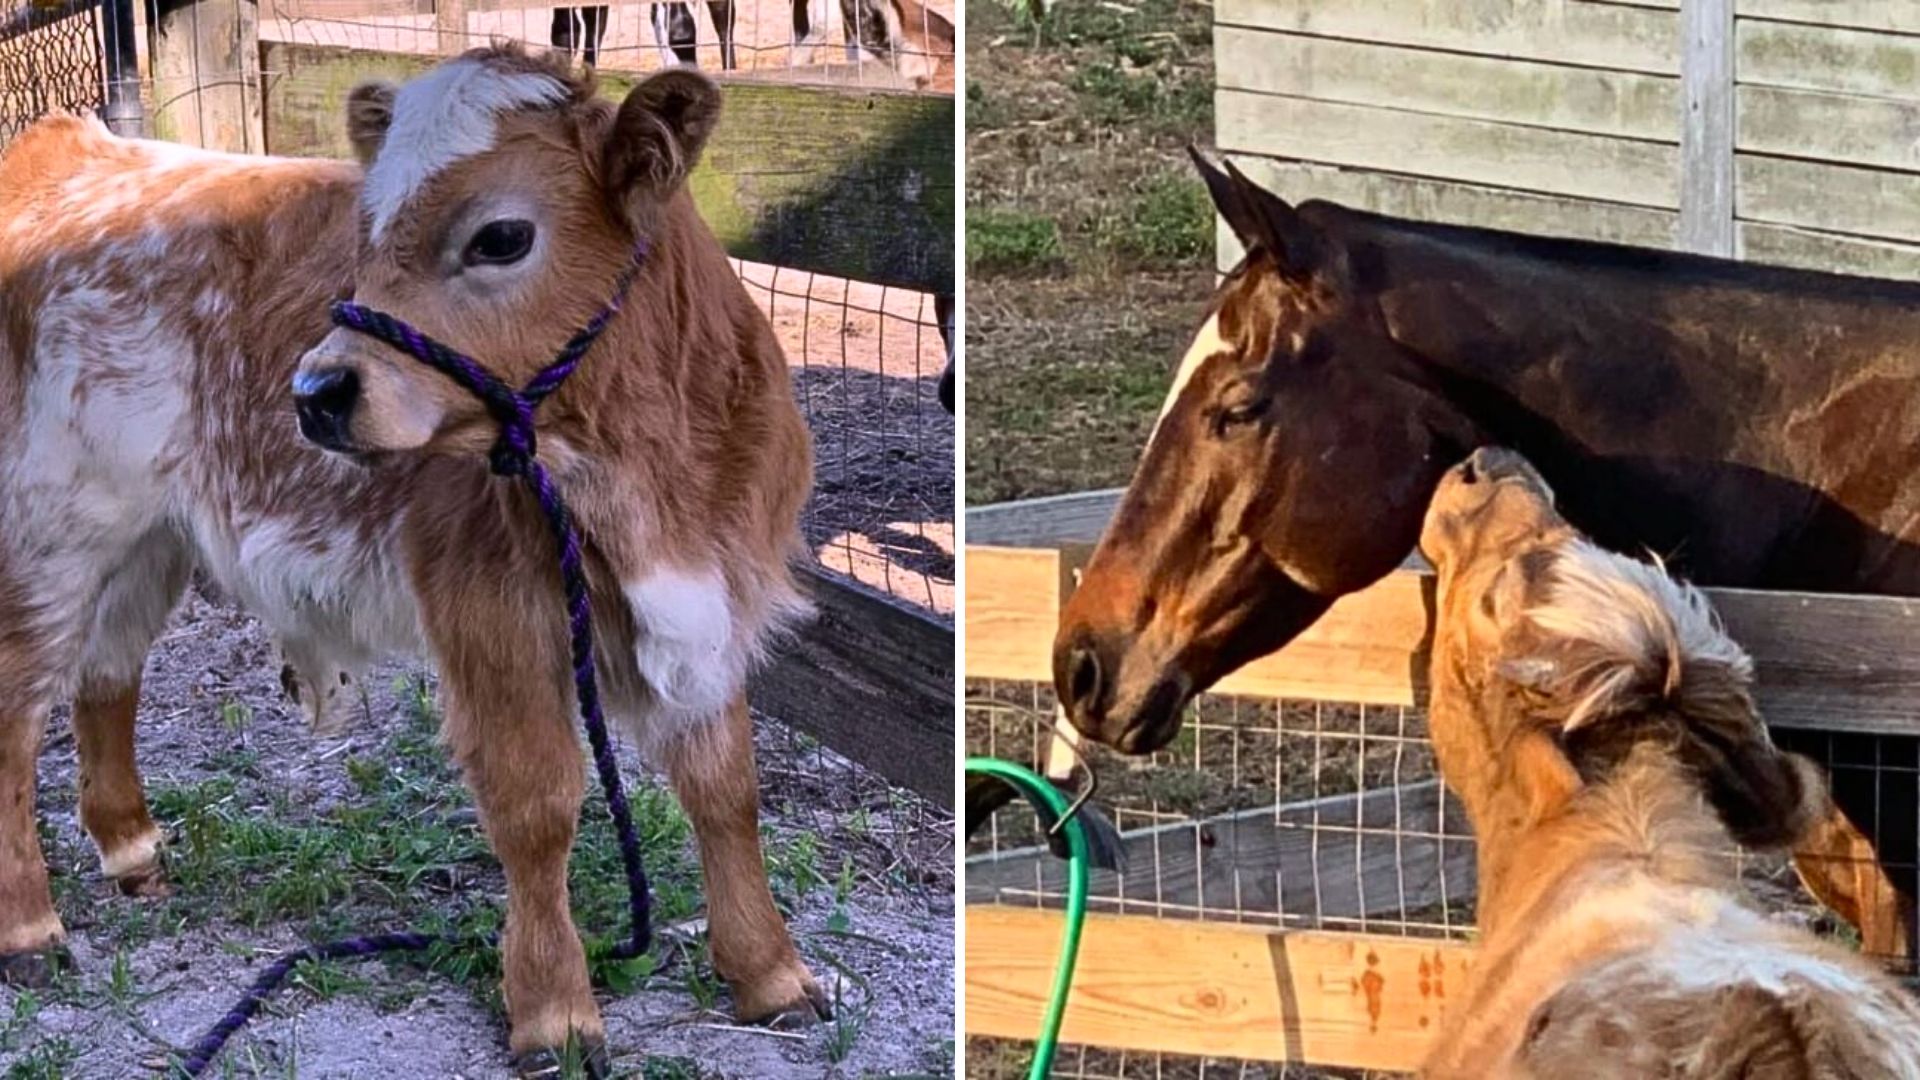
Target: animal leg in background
x=713, y=773
x=674, y=33
x=865, y=28
x=722, y=13
x=113, y=803
x=579, y=31
x=809, y=29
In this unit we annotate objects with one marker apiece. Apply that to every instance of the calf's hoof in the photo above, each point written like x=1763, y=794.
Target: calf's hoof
x=785, y=999
x=149, y=883
x=34, y=970
x=550, y=1063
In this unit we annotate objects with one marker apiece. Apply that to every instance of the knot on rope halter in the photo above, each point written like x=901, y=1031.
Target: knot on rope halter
x=514, y=454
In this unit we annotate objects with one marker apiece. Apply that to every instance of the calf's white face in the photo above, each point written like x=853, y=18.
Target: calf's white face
x=500, y=205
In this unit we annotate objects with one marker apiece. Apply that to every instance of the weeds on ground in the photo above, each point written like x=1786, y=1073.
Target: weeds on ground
x=1010, y=241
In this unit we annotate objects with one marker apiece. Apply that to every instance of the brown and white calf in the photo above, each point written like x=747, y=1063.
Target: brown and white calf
x=159, y=305
x=1597, y=723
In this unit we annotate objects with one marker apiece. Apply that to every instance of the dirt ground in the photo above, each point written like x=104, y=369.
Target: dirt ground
x=276, y=838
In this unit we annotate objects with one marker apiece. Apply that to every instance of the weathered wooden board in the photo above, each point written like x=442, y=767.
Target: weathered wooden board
x=1051, y=522
x=1785, y=245
x=1831, y=127
x=1453, y=203
x=206, y=75
x=1836, y=198
x=1448, y=148
x=1898, y=15
x=1554, y=96
x=1825, y=58
x=856, y=184
x=1392, y=853
x=1012, y=604
x=874, y=680
x=1707, y=129
x=1214, y=990
x=1837, y=663
x=1608, y=36
x=343, y=10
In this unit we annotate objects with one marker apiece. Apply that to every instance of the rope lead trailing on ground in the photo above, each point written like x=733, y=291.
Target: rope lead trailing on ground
x=512, y=455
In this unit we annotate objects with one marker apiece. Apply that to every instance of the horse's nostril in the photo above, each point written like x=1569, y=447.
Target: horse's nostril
x=1468, y=473
x=1083, y=676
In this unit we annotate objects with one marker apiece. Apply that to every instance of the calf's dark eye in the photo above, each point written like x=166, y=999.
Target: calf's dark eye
x=499, y=243
x=1236, y=416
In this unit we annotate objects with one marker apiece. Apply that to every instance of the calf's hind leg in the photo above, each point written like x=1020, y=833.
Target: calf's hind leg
x=113, y=804
x=713, y=773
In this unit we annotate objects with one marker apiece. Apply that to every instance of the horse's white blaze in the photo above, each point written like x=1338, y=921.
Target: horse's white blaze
x=1207, y=344
x=439, y=118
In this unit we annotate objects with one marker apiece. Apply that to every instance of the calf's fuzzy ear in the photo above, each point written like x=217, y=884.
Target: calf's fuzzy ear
x=657, y=136
x=369, y=115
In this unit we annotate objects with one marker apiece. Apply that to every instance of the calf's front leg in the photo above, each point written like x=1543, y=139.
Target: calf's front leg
x=517, y=748
x=713, y=774
x=31, y=936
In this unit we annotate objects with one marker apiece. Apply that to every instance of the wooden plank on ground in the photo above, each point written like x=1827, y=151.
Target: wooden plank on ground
x=1785, y=245
x=1554, y=96
x=1828, y=662
x=1707, y=128
x=853, y=183
x=1454, y=204
x=1833, y=198
x=1844, y=128
x=874, y=680
x=1395, y=853
x=1595, y=35
x=1214, y=990
x=1054, y=521
x=1013, y=598
x=1824, y=58
x=1448, y=148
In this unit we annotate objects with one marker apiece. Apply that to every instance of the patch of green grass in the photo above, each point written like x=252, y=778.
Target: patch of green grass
x=1170, y=221
x=1010, y=241
x=793, y=863
x=670, y=1068
x=49, y=1059
x=19, y=1019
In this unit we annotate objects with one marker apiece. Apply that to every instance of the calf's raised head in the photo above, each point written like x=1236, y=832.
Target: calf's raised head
x=501, y=202
x=1554, y=661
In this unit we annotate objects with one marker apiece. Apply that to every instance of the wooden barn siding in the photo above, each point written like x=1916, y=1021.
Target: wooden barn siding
x=1565, y=117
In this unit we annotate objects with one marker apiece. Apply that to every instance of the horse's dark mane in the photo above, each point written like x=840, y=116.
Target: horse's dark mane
x=1675, y=267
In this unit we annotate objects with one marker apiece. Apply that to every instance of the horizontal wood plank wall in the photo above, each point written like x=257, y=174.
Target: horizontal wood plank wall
x=1563, y=117
x=853, y=183
x=1214, y=990
x=1835, y=663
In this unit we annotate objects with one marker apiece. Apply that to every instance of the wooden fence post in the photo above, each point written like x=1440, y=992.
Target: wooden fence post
x=1707, y=127
x=450, y=19
x=206, y=74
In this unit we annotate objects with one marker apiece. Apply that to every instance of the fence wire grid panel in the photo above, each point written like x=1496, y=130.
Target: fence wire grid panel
x=1295, y=814
x=50, y=60
x=898, y=44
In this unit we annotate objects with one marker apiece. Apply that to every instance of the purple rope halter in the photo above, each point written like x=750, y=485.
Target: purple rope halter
x=512, y=455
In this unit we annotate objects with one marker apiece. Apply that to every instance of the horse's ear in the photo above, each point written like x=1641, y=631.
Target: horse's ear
x=1259, y=218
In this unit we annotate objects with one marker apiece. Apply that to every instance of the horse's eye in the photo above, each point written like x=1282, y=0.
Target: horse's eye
x=499, y=243
x=1240, y=415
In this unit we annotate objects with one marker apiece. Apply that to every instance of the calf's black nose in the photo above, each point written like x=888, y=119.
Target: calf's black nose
x=324, y=402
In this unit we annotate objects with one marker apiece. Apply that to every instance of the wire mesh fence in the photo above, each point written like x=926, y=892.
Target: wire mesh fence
x=51, y=60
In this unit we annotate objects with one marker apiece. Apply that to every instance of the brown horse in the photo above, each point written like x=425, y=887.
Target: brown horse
x=1599, y=727
x=1755, y=425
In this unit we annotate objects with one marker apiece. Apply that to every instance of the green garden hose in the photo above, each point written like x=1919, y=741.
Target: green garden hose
x=1042, y=793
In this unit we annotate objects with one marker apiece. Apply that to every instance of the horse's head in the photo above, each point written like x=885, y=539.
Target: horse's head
x=1290, y=465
